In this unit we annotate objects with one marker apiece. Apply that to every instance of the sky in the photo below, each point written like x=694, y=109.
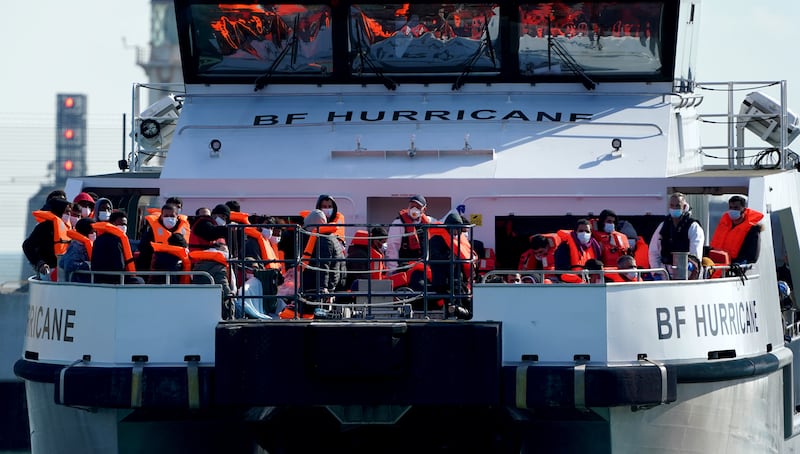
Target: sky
x=90, y=47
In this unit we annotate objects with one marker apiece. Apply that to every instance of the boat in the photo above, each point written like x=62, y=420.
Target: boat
x=522, y=117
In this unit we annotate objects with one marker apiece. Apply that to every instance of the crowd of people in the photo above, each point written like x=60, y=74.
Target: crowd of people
x=253, y=257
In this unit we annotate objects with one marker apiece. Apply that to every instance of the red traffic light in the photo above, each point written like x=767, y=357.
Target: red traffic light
x=68, y=165
x=69, y=133
x=69, y=102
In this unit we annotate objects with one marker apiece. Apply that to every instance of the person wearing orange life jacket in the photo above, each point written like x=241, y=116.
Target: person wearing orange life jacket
x=236, y=214
x=207, y=229
x=328, y=205
x=366, y=253
x=577, y=246
x=323, y=261
x=405, y=243
x=173, y=256
x=613, y=244
x=111, y=251
x=48, y=239
x=452, y=265
x=257, y=245
x=214, y=261
x=541, y=255
x=79, y=252
x=738, y=232
x=159, y=228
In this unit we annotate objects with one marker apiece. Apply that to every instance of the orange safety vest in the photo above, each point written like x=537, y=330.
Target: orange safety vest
x=161, y=234
x=241, y=218
x=60, y=238
x=729, y=237
x=614, y=245
x=266, y=250
x=308, y=252
x=361, y=238
x=338, y=219
x=178, y=252
x=87, y=243
x=105, y=227
x=527, y=261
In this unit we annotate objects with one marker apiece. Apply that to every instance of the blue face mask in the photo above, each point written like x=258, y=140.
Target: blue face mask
x=675, y=212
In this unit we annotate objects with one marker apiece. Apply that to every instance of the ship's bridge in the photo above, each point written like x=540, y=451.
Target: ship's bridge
x=432, y=90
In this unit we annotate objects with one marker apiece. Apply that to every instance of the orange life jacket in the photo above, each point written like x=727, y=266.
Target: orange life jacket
x=87, y=243
x=361, y=238
x=614, y=245
x=197, y=243
x=127, y=255
x=461, y=248
x=241, y=218
x=214, y=256
x=178, y=252
x=288, y=313
x=60, y=238
x=308, y=251
x=642, y=253
x=161, y=234
x=577, y=258
x=401, y=279
x=266, y=250
x=728, y=237
x=411, y=230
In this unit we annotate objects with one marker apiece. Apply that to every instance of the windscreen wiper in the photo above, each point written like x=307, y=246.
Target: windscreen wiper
x=261, y=82
x=570, y=62
x=486, y=44
x=364, y=57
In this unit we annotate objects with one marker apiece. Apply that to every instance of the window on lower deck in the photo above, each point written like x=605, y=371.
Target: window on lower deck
x=597, y=38
x=424, y=38
x=260, y=38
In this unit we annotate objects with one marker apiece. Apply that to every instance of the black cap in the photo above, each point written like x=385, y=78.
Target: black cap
x=418, y=199
x=223, y=210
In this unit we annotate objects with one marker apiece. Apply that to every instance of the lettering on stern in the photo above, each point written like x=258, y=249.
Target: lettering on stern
x=365, y=116
x=50, y=323
x=707, y=320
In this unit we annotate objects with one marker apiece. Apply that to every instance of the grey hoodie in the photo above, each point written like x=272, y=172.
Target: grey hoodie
x=97, y=206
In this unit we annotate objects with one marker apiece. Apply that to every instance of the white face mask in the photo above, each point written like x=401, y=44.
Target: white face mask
x=415, y=213
x=169, y=222
x=385, y=247
x=65, y=218
x=85, y=212
x=124, y=228
x=328, y=212
x=92, y=236
x=608, y=227
x=275, y=239
x=266, y=233
x=103, y=215
x=734, y=214
x=74, y=220
x=584, y=237
x=632, y=276
x=219, y=220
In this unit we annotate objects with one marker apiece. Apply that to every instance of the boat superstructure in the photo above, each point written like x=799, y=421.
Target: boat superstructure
x=522, y=116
